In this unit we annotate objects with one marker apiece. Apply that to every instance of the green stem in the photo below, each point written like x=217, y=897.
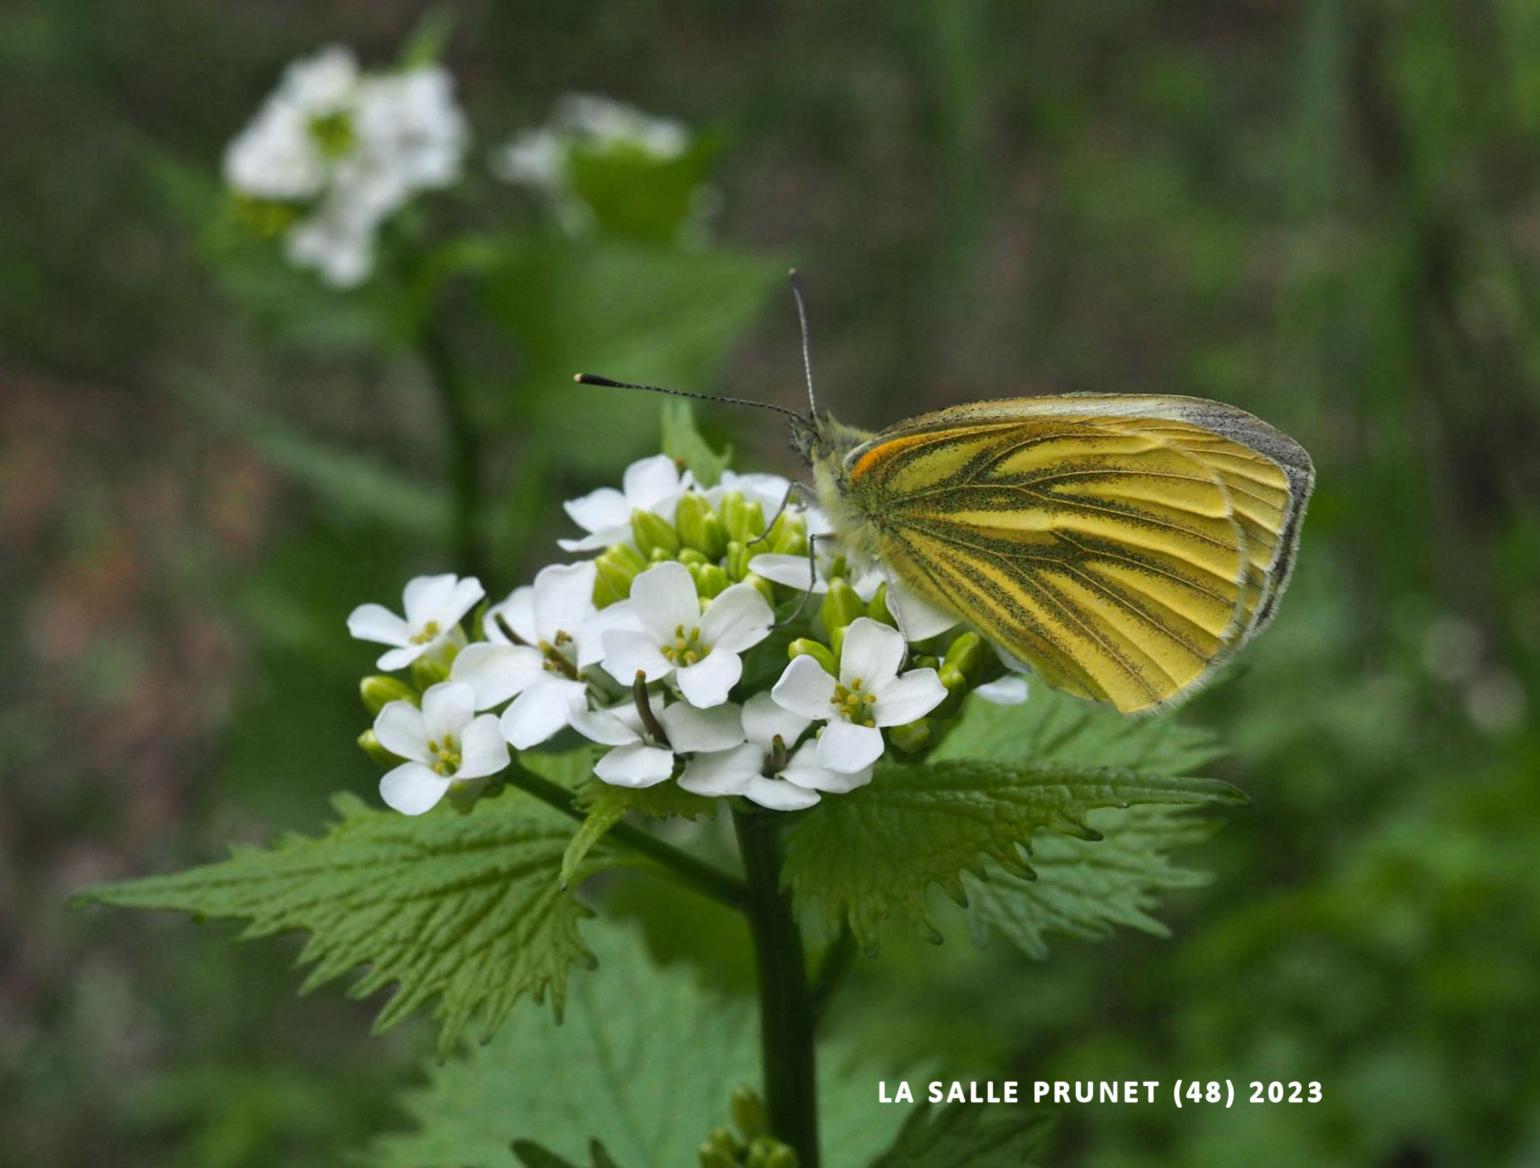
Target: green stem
x=465, y=447
x=786, y=1012
x=679, y=866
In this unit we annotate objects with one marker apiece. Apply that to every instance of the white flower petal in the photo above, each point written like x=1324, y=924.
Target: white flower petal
x=394, y=659
x=804, y=688
x=375, y=622
x=871, y=653
x=722, y=772
x=497, y=672
x=601, y=510
x=466, y=595
x=736, y=619
x=650, y=482
x=401, y=730
x=764, y=719
x=778, y=795
x=518, y=613
x=1010, y=690
x=635, y=766
x=848, y=748
x=791, y=571
x=664, y=598
x=564, y=598
x=542, y=710
x=691, y=729
x=919, y=618
x=412, y=788
x=447, y=707
x=708, y=682
x=804, y=771
x=906, y=698
x=425, y=597
x=627, y=653
x=603, y=727
x=590, y=634
x=482, y=749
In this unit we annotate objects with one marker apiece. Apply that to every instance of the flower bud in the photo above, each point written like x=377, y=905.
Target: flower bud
x=748, y=1112
x=736, y=559
x=427, y=671
x=788, y=534
x=806, y=647
x=769, y=1152
x=709, y=580
x=378, y=691
x=743, y=519
x=877, y=606
x=721, y=1149
x=370, y=745
x=691, y=558
x=967, y=655
x=699, y=526
x=912, y=736
x=840, y=605
x=615, y=570
x=653, y=534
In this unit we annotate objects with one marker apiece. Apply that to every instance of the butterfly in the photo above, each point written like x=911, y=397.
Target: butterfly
x=1122, y=546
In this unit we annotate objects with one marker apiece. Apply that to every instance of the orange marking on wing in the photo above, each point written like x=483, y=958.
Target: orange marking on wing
x=896, y=446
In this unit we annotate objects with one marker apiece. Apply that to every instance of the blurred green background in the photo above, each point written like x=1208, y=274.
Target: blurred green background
x=1326, y=212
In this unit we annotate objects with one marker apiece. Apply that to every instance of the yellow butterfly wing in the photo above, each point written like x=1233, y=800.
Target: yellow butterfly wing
x=1123, y=546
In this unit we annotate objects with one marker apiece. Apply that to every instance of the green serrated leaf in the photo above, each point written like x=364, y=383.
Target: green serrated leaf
x=464, y=908
x=1086, y=888
x=644, y=1063
x=875, y=852
x=965, y=1135
x=683, y=442
x=607, y=806
x=1054, y=727
x=533, y=1155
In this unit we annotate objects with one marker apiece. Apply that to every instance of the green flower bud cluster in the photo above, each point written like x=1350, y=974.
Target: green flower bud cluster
x=751, y=1145
x=715, y=543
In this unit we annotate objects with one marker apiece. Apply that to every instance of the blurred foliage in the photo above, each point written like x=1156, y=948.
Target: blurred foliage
x=1322, y=210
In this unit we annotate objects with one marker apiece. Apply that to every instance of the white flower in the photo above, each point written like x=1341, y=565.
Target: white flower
x=700, y=649
x=445, y=742
x=637, y=762
x=354, y=149
x=919, y=618
x=651, y=484
x=434, y=606
x=282, y=153
x=556, y=635
x=870, y=693
x=603, y=123
x=747, y=769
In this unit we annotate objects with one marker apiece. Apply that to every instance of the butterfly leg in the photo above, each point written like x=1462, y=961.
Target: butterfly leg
x=812, y=580
x=808, y=497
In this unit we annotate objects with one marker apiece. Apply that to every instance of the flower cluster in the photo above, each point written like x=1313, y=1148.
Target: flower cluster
x=334, y=152
x=701, y=645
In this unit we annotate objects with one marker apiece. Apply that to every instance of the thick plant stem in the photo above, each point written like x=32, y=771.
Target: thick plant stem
x=680, y=867
x=465, y=448
x=786, y=1014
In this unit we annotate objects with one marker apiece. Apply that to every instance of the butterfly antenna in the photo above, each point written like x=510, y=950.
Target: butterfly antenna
x=611, y=383
x=795, y=278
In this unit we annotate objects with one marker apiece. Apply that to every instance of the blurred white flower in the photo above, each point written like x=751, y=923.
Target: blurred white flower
x=541, y=157
x=699, y=649
x=433, y=606
x=869, y=693
x=348, y=150
x=444, y=742
x=650, y=484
